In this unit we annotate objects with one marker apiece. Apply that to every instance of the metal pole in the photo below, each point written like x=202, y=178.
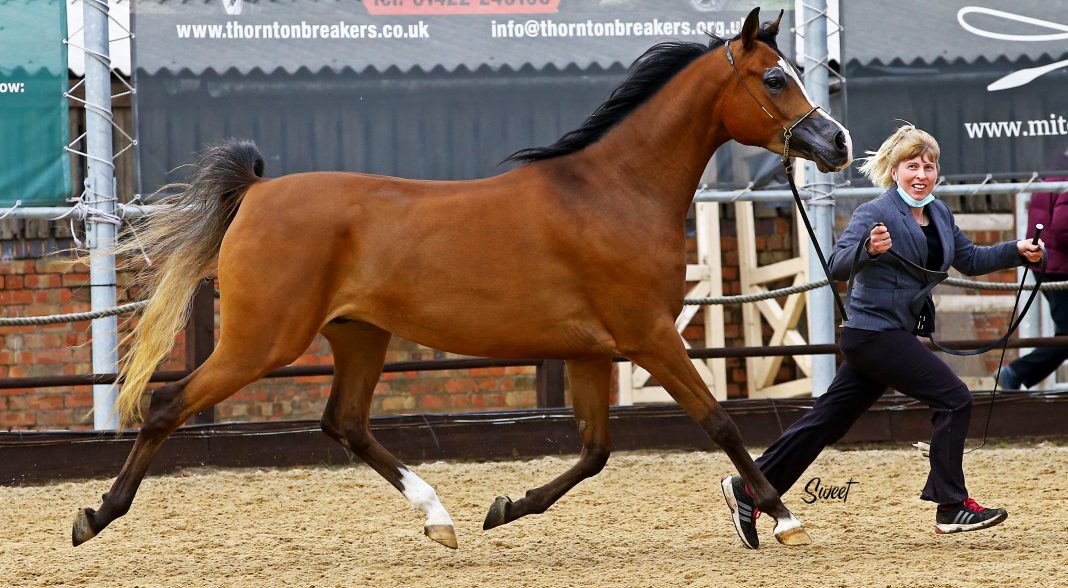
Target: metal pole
x=702, y=195
x=821, y=322
x=100, y=195
x=784, y=195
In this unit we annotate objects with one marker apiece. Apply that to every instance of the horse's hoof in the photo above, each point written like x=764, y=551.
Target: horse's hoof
x=790, y=531
x=444, y=534
x=82, y=530
x=498, y=513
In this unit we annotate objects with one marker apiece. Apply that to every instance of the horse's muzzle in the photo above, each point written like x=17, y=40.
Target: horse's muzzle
x=823, y=141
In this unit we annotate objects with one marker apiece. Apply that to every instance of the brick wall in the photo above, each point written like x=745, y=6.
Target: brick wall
x=31, y=287
x=396, y=392
x=52, y=285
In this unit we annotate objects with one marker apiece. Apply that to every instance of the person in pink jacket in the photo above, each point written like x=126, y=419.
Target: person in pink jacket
x=1051, y=210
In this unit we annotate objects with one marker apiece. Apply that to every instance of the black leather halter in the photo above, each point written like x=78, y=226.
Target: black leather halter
x=787, y=131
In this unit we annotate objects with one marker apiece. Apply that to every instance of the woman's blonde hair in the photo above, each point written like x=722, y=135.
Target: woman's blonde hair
x=905, y=143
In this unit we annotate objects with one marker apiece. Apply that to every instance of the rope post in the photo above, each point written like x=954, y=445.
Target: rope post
x=549, y=383
x=821, y=321
x=100, y=196
x=200, y=337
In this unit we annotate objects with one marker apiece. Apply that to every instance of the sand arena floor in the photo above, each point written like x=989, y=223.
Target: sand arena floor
x=650, y=519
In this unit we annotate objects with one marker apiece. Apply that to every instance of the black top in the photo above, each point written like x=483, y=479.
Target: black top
x=934, y=246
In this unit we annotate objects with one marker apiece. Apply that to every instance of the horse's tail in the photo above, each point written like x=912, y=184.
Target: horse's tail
x=181, y=241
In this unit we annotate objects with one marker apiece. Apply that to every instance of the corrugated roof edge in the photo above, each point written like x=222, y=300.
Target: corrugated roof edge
x=1042, y=59
x=19, y=70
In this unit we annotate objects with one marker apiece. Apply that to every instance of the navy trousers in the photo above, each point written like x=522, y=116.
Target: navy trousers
x=1035, y=366
x=875, y=361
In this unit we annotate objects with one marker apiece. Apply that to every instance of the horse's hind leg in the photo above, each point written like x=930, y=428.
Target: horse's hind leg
x=170, y=406
x=590, y=381
x=664, y=356
x=359, y=353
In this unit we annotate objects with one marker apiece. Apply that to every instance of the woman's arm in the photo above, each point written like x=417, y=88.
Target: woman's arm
x=973, y=260
x=841, y=259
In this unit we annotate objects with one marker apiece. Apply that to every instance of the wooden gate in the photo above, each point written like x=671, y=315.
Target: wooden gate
x=705, y=279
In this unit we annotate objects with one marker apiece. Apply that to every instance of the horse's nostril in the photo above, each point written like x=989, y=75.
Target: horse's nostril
x=840, y=141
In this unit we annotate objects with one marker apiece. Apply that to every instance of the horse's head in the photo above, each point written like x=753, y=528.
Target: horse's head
x=768, y=107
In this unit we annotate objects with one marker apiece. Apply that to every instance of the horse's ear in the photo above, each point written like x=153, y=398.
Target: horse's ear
x=773, y=27
x=751, y=28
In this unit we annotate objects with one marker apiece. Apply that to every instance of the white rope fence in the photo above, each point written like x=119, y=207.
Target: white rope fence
x=958, y=282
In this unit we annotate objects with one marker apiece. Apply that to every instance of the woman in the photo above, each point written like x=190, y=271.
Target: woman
x=878, y=339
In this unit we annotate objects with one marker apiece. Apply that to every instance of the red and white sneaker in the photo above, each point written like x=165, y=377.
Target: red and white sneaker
x=744, y=511
x=967, y=516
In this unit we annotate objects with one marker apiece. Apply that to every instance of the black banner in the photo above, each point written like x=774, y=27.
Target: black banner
x=990, y=83
x=431, y=89
x=403, y=34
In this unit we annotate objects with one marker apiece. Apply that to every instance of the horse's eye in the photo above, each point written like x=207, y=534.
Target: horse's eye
x=774, y=80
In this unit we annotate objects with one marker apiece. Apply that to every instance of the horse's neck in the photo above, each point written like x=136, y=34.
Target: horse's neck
x=660, y=151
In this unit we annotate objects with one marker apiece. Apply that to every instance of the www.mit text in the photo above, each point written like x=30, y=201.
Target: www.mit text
x=1054, y=125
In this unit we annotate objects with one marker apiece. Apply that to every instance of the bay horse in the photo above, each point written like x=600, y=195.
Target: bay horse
x=578, y=255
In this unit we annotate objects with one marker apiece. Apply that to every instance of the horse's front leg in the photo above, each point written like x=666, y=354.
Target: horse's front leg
x=664, y=356
x=590, y=381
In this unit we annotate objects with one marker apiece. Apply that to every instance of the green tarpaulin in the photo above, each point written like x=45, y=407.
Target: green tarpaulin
x=33, y=111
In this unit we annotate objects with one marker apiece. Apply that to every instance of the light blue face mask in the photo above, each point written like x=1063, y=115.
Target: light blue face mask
x=912, y=201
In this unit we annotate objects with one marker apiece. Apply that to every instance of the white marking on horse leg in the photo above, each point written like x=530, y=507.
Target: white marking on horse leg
x=423, y=497
x=790, y=531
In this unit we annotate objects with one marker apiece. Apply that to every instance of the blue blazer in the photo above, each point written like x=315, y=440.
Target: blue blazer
x=883, y=291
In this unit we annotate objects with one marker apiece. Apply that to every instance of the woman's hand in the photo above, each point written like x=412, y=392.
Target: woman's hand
x=1029, y=251
x=880, y=241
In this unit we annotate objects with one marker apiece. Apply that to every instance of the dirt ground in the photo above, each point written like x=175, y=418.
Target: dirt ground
x=650, y=519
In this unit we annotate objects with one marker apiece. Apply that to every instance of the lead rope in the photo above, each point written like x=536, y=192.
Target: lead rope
x=924, y=274
x=1001, y=360
x=789, y=167
x=787, y=133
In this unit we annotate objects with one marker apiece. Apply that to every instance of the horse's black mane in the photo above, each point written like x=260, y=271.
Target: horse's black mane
x=647, y=75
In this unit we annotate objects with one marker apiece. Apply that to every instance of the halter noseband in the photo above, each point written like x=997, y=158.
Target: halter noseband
x=787, y=131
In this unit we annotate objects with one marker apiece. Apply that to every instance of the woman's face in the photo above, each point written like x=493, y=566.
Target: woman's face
x=916, y=176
